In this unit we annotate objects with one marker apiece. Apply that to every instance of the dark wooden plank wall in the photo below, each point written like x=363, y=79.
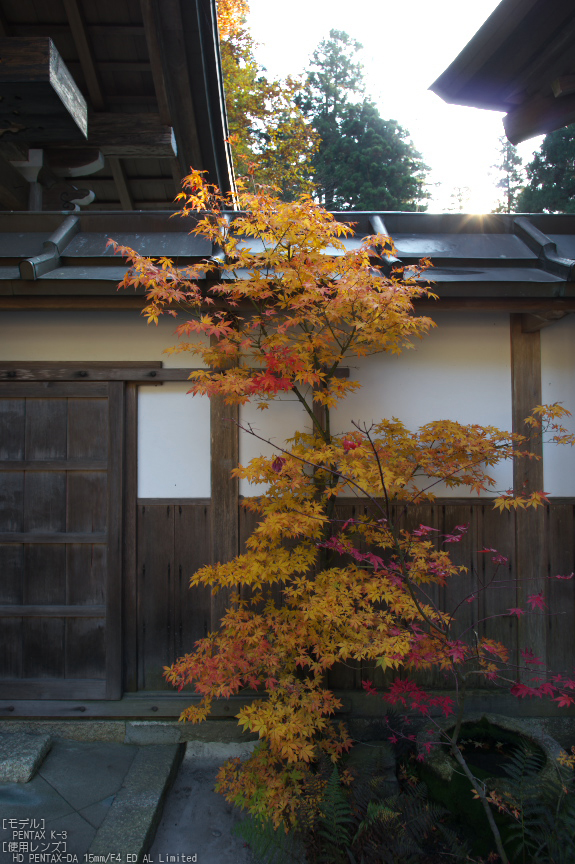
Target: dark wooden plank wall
x=174, y=540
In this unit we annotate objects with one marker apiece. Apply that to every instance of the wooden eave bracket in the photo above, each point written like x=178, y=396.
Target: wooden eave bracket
x=531, y=323
x=564, y=86
x=539, y=115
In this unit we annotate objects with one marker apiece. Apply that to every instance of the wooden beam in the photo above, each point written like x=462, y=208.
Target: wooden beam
x=224, y=434
x=20, y=371
x=128, y=136
x=117, y=65
x=531, y=534
x=35, y=81
x=72, y=302
x=129, y=580
x=109, y=30
x=142, y=705
x=563, y=86
x=535, y=322
x=537, y=116
x=121, y=181
x=14, y=189
x=167, y=18
x=77, y=23
x=156, y=62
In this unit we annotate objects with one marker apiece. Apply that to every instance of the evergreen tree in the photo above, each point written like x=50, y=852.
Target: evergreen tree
x=551, y=175
x=363, y=162
x=511, y=179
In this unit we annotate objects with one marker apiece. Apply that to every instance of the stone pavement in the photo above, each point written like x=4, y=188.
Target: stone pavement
x=102, y=802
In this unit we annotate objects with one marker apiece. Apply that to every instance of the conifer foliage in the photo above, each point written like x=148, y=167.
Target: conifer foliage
x=363, y=162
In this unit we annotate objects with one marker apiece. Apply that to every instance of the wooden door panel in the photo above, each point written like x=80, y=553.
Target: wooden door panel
x=44, y=502
x=46, y=432
x=86, y=572
x=87, y=501
x=12, y=423
x=11, y=569
x=87, y=428
x=11, y=500
x=44, y=576
x=61, y=447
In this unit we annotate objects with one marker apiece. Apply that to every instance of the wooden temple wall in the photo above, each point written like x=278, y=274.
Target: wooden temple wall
x=174, y=540
x=114, y=491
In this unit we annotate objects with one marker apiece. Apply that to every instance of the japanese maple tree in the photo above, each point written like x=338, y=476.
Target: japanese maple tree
x=284, y=305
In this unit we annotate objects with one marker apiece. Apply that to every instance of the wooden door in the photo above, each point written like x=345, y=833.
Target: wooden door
x=61, y=448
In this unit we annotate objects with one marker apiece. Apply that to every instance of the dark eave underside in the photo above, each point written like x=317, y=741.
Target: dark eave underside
x=149, y=73
x=521, y=61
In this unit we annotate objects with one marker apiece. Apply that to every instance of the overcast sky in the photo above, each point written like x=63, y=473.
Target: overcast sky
x=407, y=44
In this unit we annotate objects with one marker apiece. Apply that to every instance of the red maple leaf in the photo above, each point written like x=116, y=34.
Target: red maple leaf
x=278, y=464
x=368, y=686
x=530, y=658
x=522, y=690
x=515, y=610
x=536, y=601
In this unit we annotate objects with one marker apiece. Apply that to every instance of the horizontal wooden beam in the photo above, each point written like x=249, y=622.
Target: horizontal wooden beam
x=21, y=372
x=563, y=86
x=35, y=79
x=54, y=465
x=36, y=611
x=128, y=136
x=537, y=116
x=117, y=302
x=34, y=689
x=131, y=705
x=52, y=538
x=112, y=31
x=53, y=390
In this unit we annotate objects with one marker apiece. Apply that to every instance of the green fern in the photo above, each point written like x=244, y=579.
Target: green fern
x=335, y=822
x=545, y=831
x=267, y=844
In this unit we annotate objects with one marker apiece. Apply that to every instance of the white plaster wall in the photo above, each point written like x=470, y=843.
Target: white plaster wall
x=173, y=429
x=460, y=371
x=52, y=335
x=558, y=385
x=173, y=442
x=276, y=424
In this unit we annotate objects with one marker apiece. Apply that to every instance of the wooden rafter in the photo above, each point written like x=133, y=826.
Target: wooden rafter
x=167, y=22
x=97, y=98
x=85, y=53
x=121, y=181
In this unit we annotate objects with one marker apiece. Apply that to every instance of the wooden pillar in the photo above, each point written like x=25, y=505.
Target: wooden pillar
x=531, y=524
x=225, y=502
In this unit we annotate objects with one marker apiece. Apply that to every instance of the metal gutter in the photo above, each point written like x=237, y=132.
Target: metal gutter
x=32, y=268
x=544, y=248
